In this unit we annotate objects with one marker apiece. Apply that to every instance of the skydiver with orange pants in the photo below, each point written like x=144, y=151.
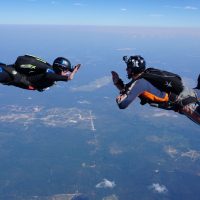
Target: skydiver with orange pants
x=157, y=88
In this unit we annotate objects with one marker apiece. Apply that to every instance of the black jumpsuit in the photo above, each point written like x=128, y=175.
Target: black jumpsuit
x=9, y=76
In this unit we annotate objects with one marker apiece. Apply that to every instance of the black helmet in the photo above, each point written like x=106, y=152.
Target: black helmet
x=136, y=63
x=61, y=64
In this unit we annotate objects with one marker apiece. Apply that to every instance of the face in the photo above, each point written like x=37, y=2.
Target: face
x=129, y=73
x=65, y=72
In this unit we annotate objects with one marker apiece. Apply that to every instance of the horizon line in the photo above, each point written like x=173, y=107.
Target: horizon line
x=113, y=26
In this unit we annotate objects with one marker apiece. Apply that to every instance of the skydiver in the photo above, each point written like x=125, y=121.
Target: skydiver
x=157, y=88
x=32, y=73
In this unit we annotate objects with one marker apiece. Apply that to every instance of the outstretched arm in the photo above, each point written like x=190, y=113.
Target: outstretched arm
x=57, y=77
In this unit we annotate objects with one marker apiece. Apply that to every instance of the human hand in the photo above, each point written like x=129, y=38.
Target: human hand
x=120, y=98
x=76, y=68
x=115, y=77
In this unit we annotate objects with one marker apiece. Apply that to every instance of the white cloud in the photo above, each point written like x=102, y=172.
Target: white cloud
x=78, y=4
x=123, y=9
x=184, y=8
x=171, y=151
x=158, y=188
x=125, y=49
x=97, y=84
x=111, y=197
x=164, y=114
x=84, y=102
x=106, y=184
x=190, y=8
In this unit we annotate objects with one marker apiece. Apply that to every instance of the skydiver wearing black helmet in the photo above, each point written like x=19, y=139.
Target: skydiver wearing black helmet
x=32, y=73
x=157, y=88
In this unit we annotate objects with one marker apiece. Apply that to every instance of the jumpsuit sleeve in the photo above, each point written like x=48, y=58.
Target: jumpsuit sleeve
x=55, y=77
x=136, y=89
x=47, y=77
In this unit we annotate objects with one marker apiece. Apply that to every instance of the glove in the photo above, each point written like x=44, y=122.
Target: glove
x=115, y=77
x=117, y=81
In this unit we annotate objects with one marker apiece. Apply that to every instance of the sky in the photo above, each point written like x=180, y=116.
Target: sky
x=148, y=13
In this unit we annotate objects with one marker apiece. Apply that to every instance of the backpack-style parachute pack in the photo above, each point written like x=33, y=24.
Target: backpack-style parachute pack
x=163, y=80
x=31, y=65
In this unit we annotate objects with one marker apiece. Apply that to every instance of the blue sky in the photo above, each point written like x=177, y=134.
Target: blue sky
x=151, y=13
